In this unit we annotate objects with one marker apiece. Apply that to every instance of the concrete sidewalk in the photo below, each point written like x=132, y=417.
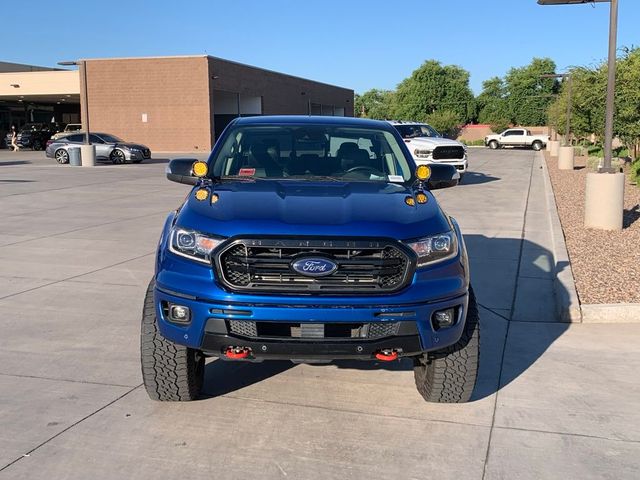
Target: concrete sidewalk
x=554, y=400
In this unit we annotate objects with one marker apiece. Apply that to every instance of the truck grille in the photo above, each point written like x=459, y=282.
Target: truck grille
x=363, y=266
x=448, y=153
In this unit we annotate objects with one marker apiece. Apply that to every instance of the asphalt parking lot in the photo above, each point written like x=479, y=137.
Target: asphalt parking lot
x=554, y=400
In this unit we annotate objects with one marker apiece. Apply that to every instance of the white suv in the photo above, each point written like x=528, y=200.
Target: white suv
x=427, y=145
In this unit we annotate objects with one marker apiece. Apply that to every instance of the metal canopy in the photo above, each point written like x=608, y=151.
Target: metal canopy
x=569, y=2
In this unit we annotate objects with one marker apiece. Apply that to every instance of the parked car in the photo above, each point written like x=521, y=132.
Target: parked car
x=70, y=128
x=516, y=137
x=310, y=239
x=428, y=146
x=34, y=135
x=108, y=147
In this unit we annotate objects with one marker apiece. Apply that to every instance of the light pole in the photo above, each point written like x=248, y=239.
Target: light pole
x=84, y=105
x=606, y=184
x=88, y=151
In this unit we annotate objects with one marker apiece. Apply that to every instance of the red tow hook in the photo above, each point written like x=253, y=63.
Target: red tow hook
x=387, y=355
x=237, y=353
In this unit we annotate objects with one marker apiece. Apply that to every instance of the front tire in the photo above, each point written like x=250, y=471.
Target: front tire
x=493, y=145
x=449, y=375
x=537, y=146
x=37, y=145
x=61, y=156
x=118, y=157
x=170, y=372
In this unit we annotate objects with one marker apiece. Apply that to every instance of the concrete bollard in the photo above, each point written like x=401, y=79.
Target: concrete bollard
x=554, y=148
x=565, y=158
x=604, y=201
x=88, y=153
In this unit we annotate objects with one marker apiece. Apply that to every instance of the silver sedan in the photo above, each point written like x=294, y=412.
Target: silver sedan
x=108, y=147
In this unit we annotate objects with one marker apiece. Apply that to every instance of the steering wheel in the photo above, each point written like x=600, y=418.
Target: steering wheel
x=364, y=168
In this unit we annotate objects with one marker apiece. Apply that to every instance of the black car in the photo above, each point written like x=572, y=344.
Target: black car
x=35, y=135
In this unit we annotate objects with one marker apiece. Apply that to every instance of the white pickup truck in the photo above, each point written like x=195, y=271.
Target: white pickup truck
x=516, y=137
x=427, y=146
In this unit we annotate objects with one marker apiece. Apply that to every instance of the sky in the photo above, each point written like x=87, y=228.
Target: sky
x=359, y=44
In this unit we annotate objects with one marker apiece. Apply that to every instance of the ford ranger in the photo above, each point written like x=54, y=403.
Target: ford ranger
x=310, y=239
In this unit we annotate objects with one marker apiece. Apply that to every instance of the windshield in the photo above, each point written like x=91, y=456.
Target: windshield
x=311, y=152
x=413, y=131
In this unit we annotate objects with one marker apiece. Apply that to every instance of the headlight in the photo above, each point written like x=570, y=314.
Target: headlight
x=435, y=249
x=193, y=245
x=422, y=153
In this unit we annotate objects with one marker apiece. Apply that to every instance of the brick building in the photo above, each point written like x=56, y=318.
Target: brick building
x=169, y=103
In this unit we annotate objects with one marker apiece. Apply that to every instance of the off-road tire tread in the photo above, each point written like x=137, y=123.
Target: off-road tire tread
x=170, y=372
x=449, y=375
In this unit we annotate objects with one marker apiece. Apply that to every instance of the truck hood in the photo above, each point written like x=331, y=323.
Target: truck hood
x=288, y=207
x=432, y=142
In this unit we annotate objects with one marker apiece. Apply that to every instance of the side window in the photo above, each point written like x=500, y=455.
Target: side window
x=508, y=133
x=75, y=138
x=94, y=138
x=367, y=145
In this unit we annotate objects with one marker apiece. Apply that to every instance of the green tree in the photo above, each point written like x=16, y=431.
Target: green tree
x=588, y=92
x=445, y=121
x=627, y=118
x=493, y=107
x=434, y=87
x=529, y=95
x=374, y=103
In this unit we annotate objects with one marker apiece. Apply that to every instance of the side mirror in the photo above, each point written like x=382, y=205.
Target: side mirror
x=180, y=170
x=442, y=176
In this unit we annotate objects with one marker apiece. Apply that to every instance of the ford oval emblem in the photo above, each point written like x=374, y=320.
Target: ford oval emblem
x=314, y=266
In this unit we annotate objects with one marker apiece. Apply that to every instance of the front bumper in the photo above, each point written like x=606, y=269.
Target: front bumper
x=209, y=329
x=460, y=164
x=135, y=155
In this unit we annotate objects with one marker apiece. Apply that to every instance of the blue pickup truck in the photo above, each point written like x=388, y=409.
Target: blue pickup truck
x=310, y=239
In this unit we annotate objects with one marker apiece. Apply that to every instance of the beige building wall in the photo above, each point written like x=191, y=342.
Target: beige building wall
x=160, y=102
x=38, y=84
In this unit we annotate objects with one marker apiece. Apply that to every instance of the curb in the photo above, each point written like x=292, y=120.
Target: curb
x=611, y=313
x=567, y=301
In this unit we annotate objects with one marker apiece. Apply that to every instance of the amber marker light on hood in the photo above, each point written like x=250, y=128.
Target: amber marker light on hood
x=421, y=197
x=410, y=201
x=199, y=169
x=214, y=198
x=202, y=194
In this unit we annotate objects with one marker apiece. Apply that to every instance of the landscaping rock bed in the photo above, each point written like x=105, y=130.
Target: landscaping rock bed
x=606, y=265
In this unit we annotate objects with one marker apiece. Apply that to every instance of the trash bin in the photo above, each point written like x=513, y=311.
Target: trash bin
x=75, y=160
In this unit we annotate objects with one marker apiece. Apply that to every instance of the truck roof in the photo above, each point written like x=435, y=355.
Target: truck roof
x=312, y=120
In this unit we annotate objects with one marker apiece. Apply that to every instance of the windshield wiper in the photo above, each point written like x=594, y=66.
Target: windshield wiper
x=312, y=177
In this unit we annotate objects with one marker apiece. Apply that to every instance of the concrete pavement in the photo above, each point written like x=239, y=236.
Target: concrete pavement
x=554, y=400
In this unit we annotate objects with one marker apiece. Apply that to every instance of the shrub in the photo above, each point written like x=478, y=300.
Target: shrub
x=634, y=173
x=473, y=143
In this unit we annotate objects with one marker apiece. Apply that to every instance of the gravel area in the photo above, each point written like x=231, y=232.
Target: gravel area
x=605, y=264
